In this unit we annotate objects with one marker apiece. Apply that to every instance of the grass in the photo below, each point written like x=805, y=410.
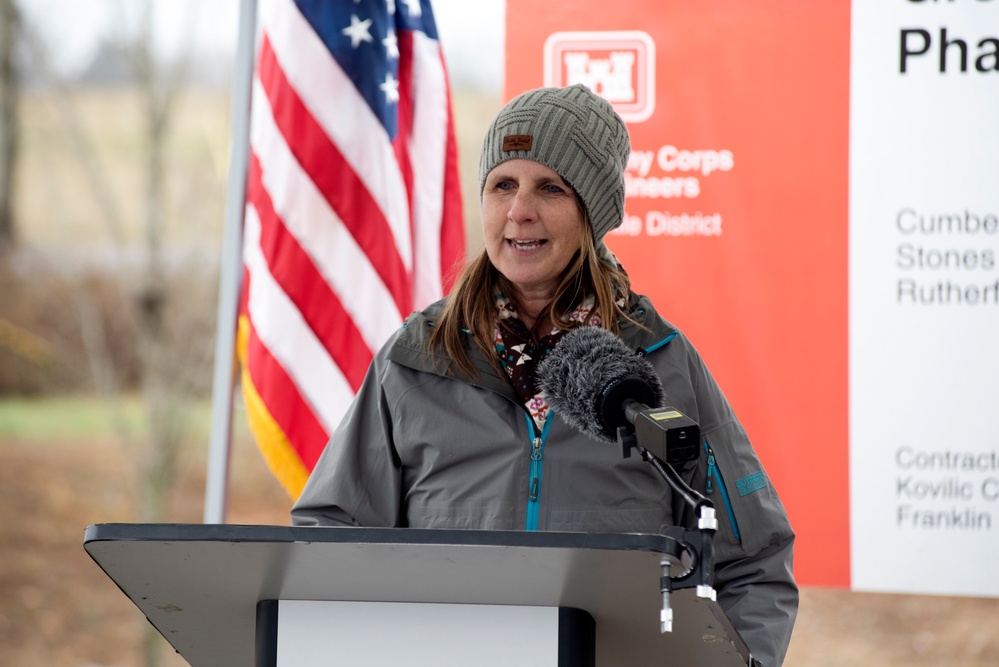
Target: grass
x=82, y=417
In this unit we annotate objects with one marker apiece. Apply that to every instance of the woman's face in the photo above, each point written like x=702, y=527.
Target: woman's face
x=532, y=225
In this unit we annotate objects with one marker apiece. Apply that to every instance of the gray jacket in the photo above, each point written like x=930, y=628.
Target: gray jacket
x=424, y=450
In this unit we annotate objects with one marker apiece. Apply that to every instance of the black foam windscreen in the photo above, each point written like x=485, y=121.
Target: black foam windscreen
x=590, y=374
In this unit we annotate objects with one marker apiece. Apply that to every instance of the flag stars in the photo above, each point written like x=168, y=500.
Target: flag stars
x=358, y=31
x=391, y=44
x=390, y=88
x=414, y=7
x=391, y=7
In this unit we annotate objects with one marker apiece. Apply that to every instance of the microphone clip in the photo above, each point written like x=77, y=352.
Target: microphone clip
x=626, y=438
x=698, y=542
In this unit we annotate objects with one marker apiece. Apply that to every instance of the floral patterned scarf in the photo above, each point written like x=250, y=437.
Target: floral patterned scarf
x=519, y=352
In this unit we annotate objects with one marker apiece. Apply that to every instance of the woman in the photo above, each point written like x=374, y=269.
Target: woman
x=449, y=429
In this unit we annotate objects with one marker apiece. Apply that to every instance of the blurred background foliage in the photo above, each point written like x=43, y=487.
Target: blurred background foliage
x=113, y=171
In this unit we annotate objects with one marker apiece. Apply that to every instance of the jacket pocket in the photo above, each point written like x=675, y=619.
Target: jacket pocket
x=749, y=511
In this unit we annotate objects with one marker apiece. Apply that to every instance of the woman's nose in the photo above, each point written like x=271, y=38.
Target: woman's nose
x=523, y=208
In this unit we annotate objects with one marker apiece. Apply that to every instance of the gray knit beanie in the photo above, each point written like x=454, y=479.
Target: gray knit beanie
x=576, y=134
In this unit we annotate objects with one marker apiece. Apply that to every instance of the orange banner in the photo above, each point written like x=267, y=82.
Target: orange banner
x=736, y=216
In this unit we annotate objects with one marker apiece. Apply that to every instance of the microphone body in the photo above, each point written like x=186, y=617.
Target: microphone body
x=666, y=432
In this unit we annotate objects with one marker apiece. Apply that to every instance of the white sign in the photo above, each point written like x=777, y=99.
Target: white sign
x=374, y=634
x=924, y=296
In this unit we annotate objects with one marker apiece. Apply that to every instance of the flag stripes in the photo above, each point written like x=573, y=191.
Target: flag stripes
x=338, y=183
x=319, y=305
x=353, y=210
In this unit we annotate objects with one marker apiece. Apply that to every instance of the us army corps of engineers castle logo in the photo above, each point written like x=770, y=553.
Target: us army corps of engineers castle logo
x=617, y=65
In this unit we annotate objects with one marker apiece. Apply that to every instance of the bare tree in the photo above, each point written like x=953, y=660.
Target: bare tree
x=165, y=366
x=163, y=396
x=10, y=29
x=159, y=88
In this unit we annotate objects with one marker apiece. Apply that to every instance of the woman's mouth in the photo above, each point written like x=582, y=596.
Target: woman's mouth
x=526, y=244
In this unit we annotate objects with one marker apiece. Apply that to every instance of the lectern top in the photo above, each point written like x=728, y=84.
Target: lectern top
x=199, y=584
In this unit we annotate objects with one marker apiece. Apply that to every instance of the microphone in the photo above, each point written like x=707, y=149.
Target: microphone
x=597, y=384
x=601, y=387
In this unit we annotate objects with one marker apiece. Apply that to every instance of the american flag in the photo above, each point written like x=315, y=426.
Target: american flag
x=353, y=212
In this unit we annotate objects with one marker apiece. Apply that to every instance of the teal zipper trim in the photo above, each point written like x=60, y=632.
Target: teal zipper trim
x=714, y=472
x=537, y=459
x=538, y=453
x=658, y=345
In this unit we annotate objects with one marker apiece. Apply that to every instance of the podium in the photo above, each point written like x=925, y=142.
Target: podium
x=228, y=595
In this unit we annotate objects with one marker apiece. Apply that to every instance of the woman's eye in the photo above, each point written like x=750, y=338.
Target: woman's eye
x=551, y=188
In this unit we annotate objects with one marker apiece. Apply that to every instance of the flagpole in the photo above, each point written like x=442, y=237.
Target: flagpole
x=217, y=476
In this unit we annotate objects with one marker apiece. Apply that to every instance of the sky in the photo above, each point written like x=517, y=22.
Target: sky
x=471, y=31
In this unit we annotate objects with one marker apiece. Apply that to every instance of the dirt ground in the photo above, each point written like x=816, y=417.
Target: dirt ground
x=58, y=609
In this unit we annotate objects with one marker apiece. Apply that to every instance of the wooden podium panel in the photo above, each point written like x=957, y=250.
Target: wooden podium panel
x=199, y=584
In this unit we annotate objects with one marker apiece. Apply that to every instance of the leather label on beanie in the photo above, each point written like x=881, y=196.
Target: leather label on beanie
x=518, y=142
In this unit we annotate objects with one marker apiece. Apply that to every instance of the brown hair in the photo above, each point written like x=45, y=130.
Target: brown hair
x=471, y=306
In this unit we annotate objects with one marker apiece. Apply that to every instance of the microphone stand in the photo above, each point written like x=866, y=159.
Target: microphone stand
x=698, y=544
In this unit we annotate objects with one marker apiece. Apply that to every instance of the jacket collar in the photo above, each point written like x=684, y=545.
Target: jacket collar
x=409, y=347
x=657, y=329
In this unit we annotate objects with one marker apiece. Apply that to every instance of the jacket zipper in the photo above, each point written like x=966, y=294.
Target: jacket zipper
x=714, y=473
x=538, y=454
x=537, y=459
x=656, y=346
